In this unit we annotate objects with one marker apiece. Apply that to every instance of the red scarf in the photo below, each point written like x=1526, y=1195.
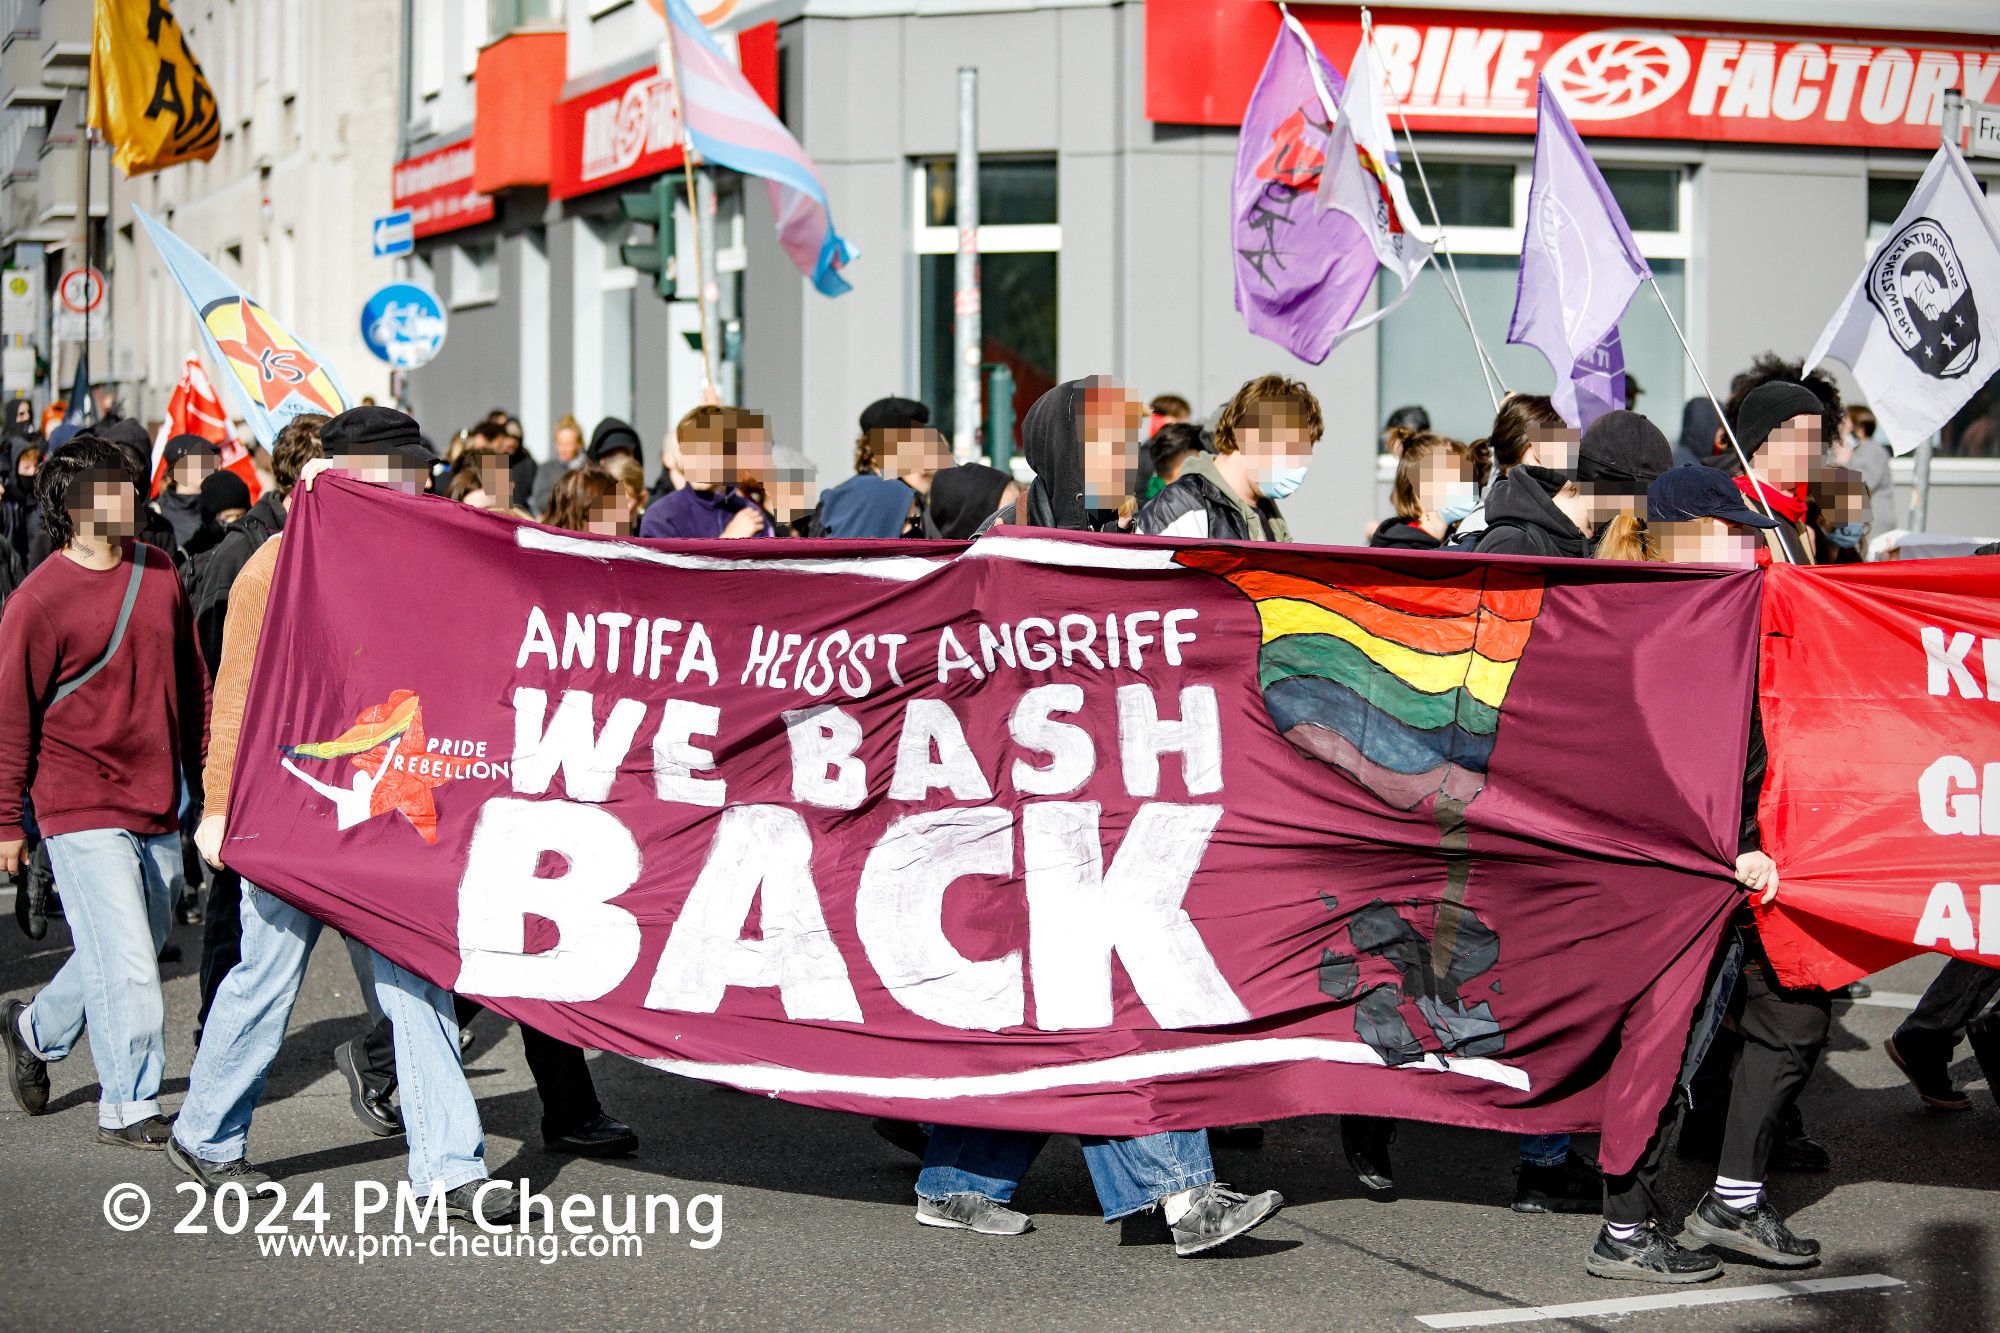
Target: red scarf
x=1787, y=505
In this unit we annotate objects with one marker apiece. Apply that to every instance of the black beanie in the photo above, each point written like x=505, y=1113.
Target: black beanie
x=610, y=436
x=223, y=490
x=373, y=430
x=1623, y=448
x=894, y=414
x=1770, y=406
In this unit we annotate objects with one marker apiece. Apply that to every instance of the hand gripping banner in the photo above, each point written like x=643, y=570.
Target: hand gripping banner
x=1083, y=834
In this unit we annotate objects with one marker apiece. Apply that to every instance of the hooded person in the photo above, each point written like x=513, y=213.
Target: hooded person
x=867, y=506
x=1700, y=423
x=611, y=437
x=962, y=497
x=1781, y=426
x=1537, y=511
x=1081, y=438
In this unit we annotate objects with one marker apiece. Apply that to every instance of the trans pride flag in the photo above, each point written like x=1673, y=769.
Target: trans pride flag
x=730, y=126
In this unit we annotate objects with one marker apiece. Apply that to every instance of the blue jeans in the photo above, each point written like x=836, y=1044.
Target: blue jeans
x=1544, y=1149
x=1131, y=1175
x=118, y=895
x=246, y=1026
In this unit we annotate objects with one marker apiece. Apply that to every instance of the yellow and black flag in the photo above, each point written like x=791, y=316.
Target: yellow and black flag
x=148, y=96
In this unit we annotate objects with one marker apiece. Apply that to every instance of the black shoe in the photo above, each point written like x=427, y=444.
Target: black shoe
x=1984, y=1036
x=148, y=1135
x=1759, y=1233
x=1244, y=1138
x=1929, y=1072
x=1649, y=1257
x=369, y=1102
x=599, y=1136
x=500, y=1206
x=1570, y=1186
x=1365, y=1139
x=1795, y=1154
x=189, y=911
x=27, y=1073
x=1854, y=990
x=214, y=1174
x=911, y=1137
x=34, y=894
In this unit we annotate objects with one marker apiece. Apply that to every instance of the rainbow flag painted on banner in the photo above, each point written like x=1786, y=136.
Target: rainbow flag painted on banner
x=1398, y=681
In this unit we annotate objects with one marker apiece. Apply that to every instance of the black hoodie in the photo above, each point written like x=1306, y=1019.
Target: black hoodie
x=1522, y=518
x=1403, y=534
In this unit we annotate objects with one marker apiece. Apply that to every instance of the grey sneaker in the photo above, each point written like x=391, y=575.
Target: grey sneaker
x=1219, y=1215
x=499, y=1207
x=1649, y=1257
x=215, y=1174
x=972, y=1212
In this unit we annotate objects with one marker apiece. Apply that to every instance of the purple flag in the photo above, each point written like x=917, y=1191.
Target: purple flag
x=1598, y=381
x=1299, y=271
x=1579, y=263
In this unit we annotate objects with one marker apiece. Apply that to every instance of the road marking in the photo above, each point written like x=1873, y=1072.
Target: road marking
x=1768, y=1291
x=1891, y=999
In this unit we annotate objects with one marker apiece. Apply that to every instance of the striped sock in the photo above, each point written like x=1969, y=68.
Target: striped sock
x=1625, y=1231
x=1741, y=1195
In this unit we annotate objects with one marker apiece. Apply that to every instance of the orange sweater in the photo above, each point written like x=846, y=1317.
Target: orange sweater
x=248, y=597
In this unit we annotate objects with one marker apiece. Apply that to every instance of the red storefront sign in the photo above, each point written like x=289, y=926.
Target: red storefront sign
x=626, y=129
x=437, y=189
x=1475, y=73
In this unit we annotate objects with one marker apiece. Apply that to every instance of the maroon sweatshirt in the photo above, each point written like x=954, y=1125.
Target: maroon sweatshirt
x=111, y=754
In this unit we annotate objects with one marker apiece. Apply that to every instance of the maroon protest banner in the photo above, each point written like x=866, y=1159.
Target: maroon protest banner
x=1080, y=834
x=1881, y=698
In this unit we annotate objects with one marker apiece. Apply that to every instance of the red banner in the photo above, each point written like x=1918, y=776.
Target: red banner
x=437, y=189
x=1096, y=835
x=1881, y=708
x=1474, y=72
x=626, y=129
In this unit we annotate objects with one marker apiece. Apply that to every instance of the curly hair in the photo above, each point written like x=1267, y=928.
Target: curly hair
x=297, y=444
x=1769, y=366
x=66, y=477
x=1260, y=402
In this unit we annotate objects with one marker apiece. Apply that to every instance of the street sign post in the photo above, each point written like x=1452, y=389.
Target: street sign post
x=20, y=299
x=403, y=324
x=394, y=234
x=80, y=305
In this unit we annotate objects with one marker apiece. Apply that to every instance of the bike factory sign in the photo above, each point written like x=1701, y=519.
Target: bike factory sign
x=1475, y=73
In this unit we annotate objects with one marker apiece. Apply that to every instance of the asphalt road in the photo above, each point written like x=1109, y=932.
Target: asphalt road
x=816, y=1213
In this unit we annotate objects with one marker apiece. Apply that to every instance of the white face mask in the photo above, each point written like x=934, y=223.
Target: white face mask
x=1459, y=499
x=1277, y=483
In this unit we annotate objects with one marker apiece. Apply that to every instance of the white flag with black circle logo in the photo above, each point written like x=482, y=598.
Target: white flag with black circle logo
x=1921, y=328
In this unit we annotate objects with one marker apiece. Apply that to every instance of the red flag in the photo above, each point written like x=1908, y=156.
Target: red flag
x=195, y=409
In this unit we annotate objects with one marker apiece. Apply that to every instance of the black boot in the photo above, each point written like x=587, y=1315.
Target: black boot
x=1365, y=1139
x=1570, y=1186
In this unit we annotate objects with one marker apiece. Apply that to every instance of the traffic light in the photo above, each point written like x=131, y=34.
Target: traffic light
x=652, y=207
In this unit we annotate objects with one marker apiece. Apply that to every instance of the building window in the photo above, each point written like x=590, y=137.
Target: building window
x=1020, y=245
x=504, y=16
x=1426, y=357
x=475, y=274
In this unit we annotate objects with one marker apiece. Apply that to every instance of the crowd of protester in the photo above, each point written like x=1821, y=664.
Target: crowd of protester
x=149, y=609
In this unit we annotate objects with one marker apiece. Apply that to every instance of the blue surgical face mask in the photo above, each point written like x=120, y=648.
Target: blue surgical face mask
x=1459, y=501
x=1847, y=535
x=1281, y=482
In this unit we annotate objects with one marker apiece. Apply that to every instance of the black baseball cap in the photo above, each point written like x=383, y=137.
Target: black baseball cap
x=1684, y=493
x=182, y=446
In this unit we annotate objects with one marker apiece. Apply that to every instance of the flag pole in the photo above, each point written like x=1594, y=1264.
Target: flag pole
x=1757, y=488
x=1488, y=370
x=673, y=71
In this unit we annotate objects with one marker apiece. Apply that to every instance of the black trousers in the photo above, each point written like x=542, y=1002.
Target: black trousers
x=1783, y=1032
x=221, y=935
x=1953, y=999
x=1629, y=1199
x=562, y=1075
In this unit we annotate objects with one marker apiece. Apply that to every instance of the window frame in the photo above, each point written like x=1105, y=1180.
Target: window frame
x=1007, y=238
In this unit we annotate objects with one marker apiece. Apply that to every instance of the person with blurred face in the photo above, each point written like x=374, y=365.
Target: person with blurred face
x=1082, y=438
x=190, y=461
x=246, y=1024
x=568, y=439
x=721, y=451
x=1781, y=426
x=103, y=710
x=793, y=492
x=590, y=500
x=1263, y=442
x=1433, y=490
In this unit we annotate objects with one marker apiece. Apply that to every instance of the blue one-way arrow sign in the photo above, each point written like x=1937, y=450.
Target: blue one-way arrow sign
x=394, y=234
